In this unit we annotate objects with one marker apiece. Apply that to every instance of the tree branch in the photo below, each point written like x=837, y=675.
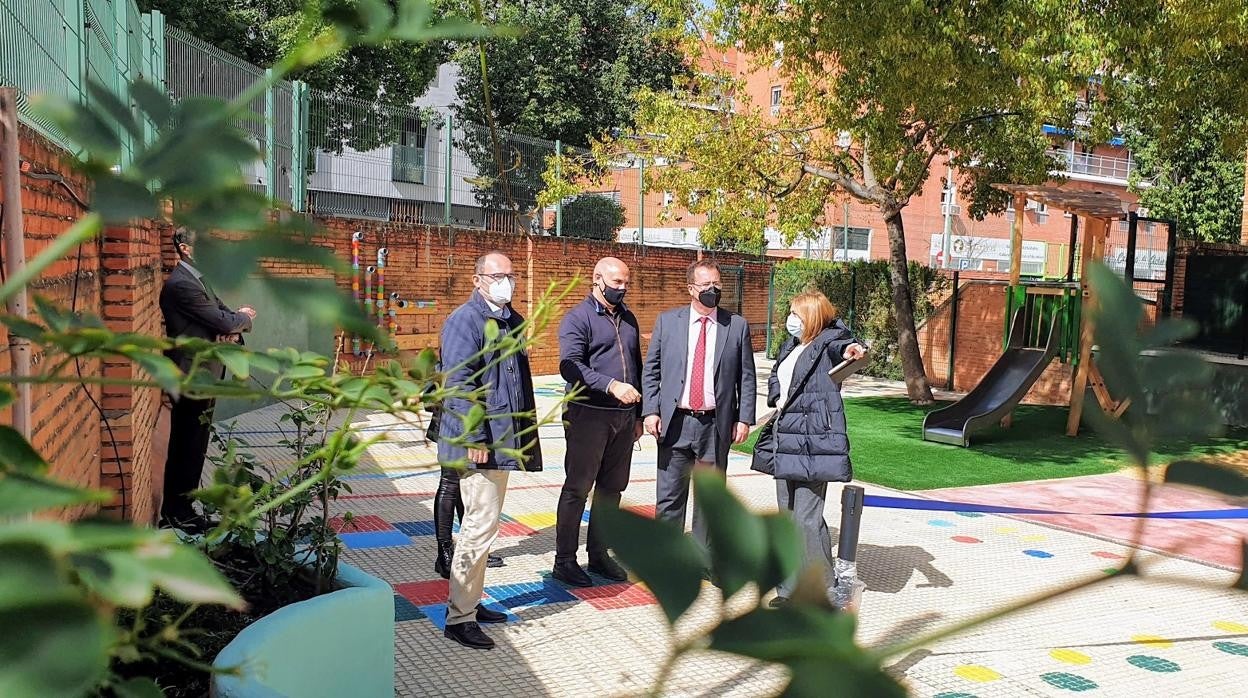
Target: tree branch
x=849, y=184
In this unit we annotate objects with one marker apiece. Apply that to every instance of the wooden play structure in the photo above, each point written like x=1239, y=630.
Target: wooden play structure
x=1044, y=320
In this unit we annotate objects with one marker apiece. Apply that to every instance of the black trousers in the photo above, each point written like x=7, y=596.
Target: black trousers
x=690, y=439
x=599, y=457
x=190, y=427
x=446, y=504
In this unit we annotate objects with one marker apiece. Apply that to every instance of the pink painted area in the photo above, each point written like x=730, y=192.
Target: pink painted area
x=965, y=539
x=368, y=523
x=1217, y=542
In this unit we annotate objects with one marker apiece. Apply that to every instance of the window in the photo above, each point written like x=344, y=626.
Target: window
x=668, y=199
x=408, y=155
x=1042, y=212
x=776, y=97
x=779, y=51
x=859, y=239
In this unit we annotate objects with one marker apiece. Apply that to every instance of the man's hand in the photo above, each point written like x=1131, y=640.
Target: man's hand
x=624, y=392
x=653, y=425
x=855, y=351
x=248, y=311
x=740, y=432
x=478, y=455
x=638, y=430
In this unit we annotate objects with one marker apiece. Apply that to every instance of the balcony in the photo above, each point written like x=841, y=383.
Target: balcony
x=1095, y=168
x=408, y=164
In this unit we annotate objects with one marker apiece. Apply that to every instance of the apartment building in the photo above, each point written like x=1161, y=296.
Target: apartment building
x=856, y=231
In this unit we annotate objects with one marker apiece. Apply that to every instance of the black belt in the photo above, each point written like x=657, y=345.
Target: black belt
x=697, y=413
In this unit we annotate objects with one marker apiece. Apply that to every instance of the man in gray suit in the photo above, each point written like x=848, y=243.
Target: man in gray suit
x=698, y=390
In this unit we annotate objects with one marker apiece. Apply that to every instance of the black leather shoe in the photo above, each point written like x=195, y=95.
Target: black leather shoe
x=778, y=602
x=485, y=615
x=607, y=567
x=493, y=561
x=442, y=563
x=571, y=573
x=469, y=635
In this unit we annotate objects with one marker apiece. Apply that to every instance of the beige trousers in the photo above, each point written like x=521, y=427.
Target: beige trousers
x=483, y=492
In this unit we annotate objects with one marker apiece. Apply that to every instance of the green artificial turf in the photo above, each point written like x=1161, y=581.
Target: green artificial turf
x=887, y=448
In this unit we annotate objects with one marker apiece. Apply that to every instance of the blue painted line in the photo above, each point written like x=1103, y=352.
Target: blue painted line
x=884, y=502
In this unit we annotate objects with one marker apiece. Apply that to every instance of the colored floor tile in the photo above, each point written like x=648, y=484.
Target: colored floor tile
x=540, y=520
x=514, y=529
x=380, y=539
x=541, y=593
x=415, y=528
x=423, y=593
x=405, y=610
x=366, y=523
x=613, y=596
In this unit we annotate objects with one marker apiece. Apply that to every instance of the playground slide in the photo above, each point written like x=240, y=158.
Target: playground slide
x=1000, y=390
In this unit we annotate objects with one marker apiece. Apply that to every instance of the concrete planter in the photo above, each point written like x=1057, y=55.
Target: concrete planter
x=337, y=644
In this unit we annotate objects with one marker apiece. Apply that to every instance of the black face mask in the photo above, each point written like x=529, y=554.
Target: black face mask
x=709, y=297
x=614, y=296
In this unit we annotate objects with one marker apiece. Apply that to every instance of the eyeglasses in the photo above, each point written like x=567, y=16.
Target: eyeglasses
x=703, y=287
x=499, y=277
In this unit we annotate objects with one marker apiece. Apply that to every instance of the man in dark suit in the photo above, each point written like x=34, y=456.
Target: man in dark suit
x=191, y=309
x=698, y=390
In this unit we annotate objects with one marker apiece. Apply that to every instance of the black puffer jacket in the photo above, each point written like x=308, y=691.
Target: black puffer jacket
x=810, y=440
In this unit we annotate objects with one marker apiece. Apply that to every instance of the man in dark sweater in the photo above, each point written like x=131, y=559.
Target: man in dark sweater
x=191, y=309
x=599, y=354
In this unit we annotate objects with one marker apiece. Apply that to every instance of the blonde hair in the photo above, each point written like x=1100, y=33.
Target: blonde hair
x=815, y=311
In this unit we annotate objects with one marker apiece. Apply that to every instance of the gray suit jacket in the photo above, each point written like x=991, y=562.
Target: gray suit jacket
x=663, y=376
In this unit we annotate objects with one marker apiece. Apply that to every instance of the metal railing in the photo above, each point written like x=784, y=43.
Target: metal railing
x=1092, y=165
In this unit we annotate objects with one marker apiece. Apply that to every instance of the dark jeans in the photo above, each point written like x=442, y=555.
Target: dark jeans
x=446, y=504
x=599, y=456
x=190, y=429
x=805, y=501
x=689, y=440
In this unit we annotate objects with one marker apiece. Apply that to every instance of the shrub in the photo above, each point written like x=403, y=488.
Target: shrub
x=593, y=217
x=861, y=294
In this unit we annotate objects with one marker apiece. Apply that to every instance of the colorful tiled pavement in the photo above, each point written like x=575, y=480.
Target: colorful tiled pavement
x=923, y=570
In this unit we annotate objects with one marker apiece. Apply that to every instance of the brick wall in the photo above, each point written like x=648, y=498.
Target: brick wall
x=434, y=264
x=119, y=279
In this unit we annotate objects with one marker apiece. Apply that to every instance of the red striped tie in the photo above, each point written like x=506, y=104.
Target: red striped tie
x=696, y=387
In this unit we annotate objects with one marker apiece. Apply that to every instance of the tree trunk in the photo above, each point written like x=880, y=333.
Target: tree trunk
x=917, y=387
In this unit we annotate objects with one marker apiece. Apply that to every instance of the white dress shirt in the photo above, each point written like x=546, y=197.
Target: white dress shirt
x=784, y=372
x=708, y=369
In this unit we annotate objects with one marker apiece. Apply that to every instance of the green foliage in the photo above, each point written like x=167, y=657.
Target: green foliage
x=1189, y=57
x=65, y=586
x=592, y=217
x=747, y=550
x=1193, y=176
x=571, y=75
x=873, y=313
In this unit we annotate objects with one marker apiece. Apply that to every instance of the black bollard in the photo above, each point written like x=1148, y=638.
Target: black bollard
x=851, y=521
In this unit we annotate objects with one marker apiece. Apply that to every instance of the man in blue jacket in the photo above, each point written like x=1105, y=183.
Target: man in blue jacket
x=489, y=449
x=599, y=355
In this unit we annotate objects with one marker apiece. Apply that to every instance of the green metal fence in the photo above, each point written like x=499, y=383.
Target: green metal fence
x=55, y=47
x=338, y=155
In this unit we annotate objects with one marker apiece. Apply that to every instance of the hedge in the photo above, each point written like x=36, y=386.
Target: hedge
x=873, y=318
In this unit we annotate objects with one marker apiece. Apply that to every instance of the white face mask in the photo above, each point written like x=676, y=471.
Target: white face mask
x=501, y=291
x=794, y=325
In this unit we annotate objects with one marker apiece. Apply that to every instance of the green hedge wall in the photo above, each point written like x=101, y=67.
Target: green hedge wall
x=872, y=318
